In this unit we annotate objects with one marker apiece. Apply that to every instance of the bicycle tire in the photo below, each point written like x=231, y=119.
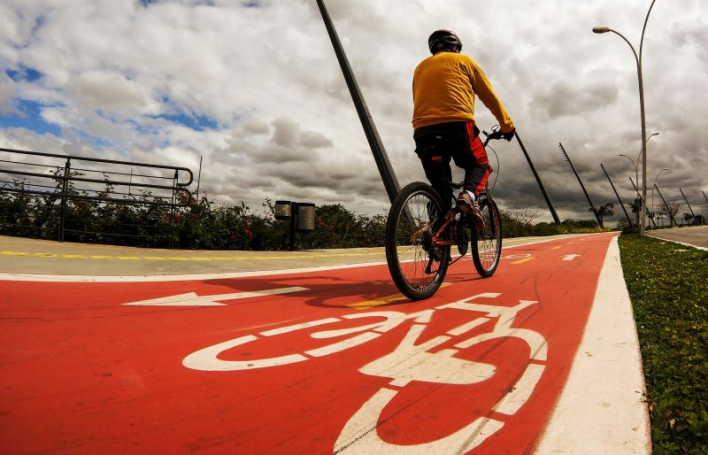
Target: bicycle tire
x=487, y=244
x=406, y=246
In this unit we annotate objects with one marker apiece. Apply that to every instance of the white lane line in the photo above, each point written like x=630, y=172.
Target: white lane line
x=192, y=299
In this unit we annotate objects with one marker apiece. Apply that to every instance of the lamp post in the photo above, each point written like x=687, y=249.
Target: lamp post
x=636, y=163
x=636, y=174
x=636, y=170
x=652, y=187
x=638, y=59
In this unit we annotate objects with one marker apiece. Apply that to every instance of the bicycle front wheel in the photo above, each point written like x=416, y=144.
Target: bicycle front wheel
x=487, y=243
x=416, y=265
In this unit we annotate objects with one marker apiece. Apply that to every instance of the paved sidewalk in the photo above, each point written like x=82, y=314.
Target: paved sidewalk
x=603, y=407
x=46, y=257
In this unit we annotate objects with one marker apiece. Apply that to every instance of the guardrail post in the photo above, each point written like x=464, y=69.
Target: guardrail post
x=61, y=190
x=174, y=209
x=64, y=193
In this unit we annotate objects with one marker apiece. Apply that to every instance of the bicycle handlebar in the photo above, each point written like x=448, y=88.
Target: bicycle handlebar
x=496, y=134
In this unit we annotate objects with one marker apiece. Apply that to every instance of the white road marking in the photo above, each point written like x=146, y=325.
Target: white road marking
x=522, y=390
x=192, y=299
x=293, y=328
x=359, y=435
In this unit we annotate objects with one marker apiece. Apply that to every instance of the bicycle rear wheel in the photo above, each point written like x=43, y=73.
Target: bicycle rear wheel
x=409, y=242
x=487, y=243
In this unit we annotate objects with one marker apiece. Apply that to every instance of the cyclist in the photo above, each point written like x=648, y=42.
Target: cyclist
x=444, y=89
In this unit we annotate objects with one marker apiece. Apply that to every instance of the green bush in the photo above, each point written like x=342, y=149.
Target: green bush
x=200, y=224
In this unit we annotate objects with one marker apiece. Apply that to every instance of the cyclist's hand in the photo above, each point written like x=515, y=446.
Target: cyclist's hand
x=510, y=135
x=495, y=134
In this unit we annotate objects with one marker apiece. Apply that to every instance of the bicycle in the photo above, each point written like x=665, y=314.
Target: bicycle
x=418, y=239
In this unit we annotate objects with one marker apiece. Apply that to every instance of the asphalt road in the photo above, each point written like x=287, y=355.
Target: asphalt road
x=692, y=235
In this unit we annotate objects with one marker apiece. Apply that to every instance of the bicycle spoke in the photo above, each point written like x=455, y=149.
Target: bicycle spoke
x=487, y=248
x=409, y=242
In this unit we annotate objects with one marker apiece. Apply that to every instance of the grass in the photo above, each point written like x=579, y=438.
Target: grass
x=668, y=286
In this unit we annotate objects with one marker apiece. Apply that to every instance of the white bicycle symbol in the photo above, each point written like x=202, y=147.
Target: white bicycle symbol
x=408, y=362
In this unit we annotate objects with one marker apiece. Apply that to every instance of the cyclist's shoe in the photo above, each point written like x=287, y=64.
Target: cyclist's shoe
x=435, y=253
x=435, y=256
x=467, y=204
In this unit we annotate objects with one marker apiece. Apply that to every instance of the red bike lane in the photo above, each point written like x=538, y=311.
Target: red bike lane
x=299, y=363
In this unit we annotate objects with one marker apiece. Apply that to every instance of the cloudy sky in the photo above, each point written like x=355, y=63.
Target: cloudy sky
x=254, y=89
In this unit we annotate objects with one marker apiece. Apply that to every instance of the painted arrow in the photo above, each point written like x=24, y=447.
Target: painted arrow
x=192, y=299
x=570, y=257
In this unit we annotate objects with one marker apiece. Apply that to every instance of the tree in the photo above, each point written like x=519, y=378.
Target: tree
x=687, y=217
x=670, y=210
x=523, y=216
x=622, y=225
x=602, y=211
x=636, y=206
x=651, y=216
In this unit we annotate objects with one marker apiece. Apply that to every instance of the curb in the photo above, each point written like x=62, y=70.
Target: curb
x=604, y=398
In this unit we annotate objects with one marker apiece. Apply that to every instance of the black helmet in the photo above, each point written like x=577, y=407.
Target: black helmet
x=443, y=39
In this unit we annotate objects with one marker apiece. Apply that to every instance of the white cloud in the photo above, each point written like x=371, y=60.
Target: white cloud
x=7, y=95
x=258, y=93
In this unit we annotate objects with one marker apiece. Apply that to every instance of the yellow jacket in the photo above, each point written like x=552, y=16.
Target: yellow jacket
x=444, y=88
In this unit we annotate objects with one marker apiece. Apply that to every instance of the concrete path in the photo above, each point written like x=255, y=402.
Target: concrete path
x=46, y=257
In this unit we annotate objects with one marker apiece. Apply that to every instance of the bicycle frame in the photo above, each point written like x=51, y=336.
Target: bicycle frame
x=452, y=213
x=428, y=236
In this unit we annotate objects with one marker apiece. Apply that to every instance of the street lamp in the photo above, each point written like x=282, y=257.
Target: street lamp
x=636, y=164
x=636, y=175
x=650, y=136
x=636, y=170
x=638, y=59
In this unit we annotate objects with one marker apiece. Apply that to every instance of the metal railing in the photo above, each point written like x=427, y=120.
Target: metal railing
x=64, y=197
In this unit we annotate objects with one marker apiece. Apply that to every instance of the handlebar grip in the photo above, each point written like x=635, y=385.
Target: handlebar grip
x=494, y=135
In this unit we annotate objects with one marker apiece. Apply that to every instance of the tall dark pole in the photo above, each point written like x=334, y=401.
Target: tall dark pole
x=538, y=180
x=618, y=196
x=687, y=203
x=372, y=135
x=592, y=206
x=668, y=210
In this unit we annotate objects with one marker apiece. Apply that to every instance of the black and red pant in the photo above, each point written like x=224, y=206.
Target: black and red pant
x=459, y=141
